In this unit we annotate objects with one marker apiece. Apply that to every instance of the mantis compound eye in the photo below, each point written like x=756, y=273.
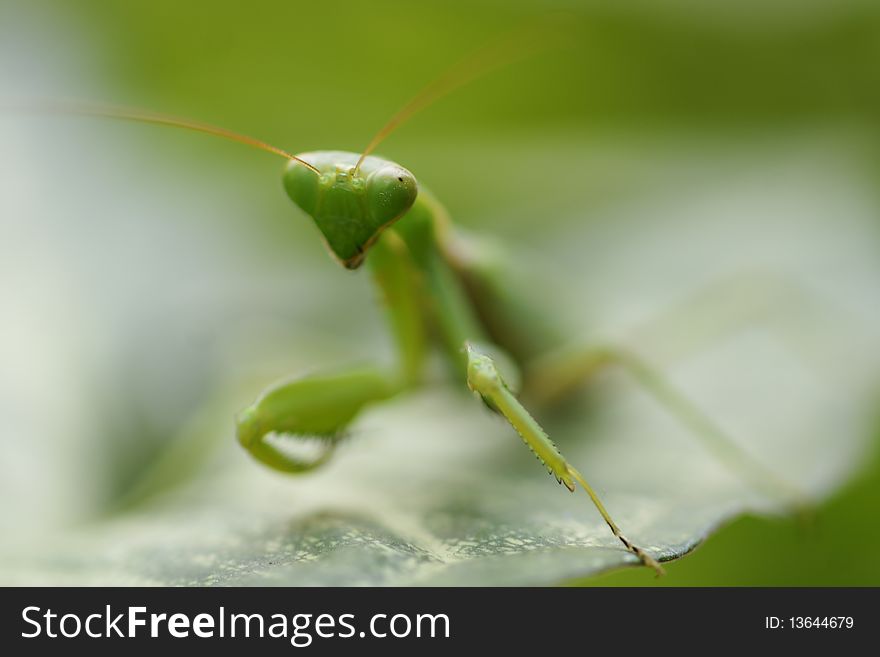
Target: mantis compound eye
x=302, y=186
x=391, y=191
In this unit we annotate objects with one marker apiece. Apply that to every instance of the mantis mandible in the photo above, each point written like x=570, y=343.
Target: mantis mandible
x=437, y=293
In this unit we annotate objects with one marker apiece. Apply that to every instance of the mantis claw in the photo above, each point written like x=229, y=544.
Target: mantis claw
x=317, y=408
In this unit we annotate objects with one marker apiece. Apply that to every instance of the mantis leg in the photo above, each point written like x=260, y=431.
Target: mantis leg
x=558, y=373
x=796, y=316
x=318, y=407
x=789, y=311
x=483, y=378
x=321, y=407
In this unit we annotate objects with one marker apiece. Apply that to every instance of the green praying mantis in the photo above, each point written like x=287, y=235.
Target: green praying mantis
x=439, y=292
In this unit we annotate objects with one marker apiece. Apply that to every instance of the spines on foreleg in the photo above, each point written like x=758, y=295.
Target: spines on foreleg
x=483, y=377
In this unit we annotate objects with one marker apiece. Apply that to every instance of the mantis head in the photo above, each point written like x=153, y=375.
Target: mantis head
x=351, y=201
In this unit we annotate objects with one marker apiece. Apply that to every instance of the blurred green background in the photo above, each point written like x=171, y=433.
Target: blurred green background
x=514, y=153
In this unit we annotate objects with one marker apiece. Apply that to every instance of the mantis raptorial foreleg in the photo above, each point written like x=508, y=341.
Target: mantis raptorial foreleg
x=483, y=377
x=319, y=407
x=322, y=406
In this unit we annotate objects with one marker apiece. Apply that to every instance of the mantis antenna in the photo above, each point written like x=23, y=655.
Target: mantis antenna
x=143, y=116
x=505, y=50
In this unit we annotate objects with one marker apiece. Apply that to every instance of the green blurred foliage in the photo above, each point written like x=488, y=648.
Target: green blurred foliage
x=330, y=72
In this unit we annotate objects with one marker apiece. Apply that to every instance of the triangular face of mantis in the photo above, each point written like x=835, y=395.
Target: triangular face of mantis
x=351, y=207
